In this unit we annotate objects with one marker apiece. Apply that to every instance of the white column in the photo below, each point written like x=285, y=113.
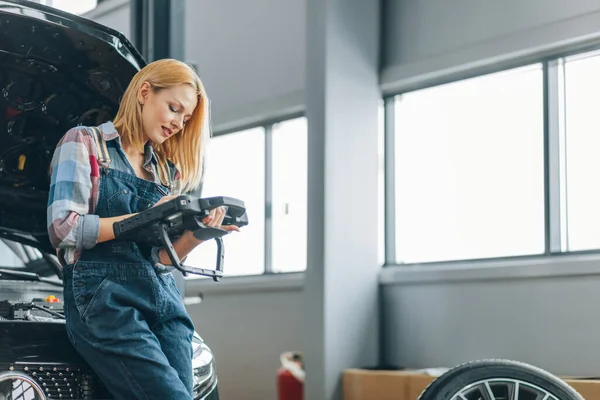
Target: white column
x=342, y=98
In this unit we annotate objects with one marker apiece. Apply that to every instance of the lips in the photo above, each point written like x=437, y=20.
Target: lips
x=166, y=131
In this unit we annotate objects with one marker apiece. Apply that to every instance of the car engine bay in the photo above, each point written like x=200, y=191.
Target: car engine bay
x=52, y=78
x=37, y=310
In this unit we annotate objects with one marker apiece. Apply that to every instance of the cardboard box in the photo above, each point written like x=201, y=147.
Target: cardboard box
x=588, y=388
x=360, y=384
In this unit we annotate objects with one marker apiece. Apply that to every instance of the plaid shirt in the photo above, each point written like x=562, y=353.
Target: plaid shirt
x=72, y=224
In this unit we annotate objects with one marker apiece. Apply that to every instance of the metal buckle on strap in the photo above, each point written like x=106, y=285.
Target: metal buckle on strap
x=103, y=156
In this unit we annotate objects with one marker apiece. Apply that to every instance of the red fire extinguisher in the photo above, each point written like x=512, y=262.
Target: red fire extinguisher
x=290, y=377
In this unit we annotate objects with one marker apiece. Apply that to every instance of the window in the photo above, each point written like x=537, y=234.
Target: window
x=74, y=7
x=289, y=187
x=581, y=149
x=381, y=183
x=501, y=165
x=469, y=169
x=266, y=167
x=235, y=168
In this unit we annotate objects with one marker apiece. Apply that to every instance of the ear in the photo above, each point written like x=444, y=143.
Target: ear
x=143, y=92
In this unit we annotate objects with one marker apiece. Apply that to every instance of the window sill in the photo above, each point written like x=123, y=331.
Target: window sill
x=195, y=289
x=564, y=265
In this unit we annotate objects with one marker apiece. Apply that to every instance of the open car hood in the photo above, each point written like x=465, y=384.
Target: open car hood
x=57, y=71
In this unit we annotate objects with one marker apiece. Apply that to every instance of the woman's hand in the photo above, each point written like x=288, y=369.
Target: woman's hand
x=187, y=242
x=215, y=219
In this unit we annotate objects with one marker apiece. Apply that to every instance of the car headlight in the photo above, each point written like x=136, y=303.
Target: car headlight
x=205, y=371
x=16, y=385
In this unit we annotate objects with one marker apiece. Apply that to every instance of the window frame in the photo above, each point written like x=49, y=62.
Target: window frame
x=267, y=125
x=552, y=63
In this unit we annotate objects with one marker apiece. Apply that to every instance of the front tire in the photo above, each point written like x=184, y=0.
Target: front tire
x=498, y=380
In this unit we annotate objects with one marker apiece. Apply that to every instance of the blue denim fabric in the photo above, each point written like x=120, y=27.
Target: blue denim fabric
x=125, y=316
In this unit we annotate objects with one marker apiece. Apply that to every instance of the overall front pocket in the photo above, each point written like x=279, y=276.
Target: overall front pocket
x=87, y=288
x=126, y=201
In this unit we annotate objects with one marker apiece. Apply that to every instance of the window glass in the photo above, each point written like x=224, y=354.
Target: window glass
x=76, y=7
x=381, y=184
x=469, y=169
x=289, y=180
x=236, y=168
x=582, y=185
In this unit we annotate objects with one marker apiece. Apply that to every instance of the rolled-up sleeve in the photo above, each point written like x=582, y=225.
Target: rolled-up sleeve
x=68, y=219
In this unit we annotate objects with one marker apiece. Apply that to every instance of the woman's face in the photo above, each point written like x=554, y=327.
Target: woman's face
x=165, y=112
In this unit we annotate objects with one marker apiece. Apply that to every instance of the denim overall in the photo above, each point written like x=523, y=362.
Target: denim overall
x=124, y=316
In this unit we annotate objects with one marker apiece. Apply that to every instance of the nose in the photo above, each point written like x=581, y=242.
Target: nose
x=177, y=124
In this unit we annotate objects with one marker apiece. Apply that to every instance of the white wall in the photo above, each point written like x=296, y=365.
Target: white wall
x=545, y=314
x=423, y=39
x=248, y=323
x=250, y=55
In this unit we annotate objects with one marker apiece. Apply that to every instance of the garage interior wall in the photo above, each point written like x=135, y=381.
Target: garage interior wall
x=524, y=310
x=252, y=62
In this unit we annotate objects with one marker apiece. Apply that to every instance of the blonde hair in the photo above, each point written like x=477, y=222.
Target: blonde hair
x=186, y=149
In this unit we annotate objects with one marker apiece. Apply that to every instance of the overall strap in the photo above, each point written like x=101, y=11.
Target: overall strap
x=103, y=156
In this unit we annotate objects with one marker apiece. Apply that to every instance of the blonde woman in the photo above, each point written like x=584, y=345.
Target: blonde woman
x=124, y=314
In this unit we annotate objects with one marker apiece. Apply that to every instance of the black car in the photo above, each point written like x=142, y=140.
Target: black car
x=57, y=71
